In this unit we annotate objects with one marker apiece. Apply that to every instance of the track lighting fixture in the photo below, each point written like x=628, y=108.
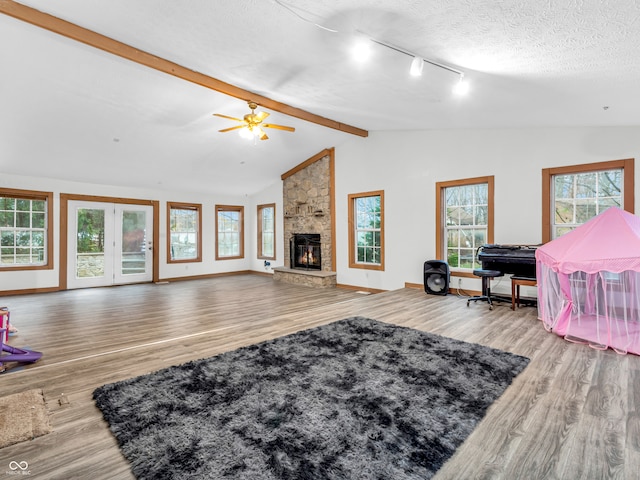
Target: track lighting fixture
x=362, y=52
x=418, y=62
x=417, y=65
x=461, y=87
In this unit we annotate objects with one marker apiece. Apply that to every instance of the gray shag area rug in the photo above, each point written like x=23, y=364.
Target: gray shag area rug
x=355, y=399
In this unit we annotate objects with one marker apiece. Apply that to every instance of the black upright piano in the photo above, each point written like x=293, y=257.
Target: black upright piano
x=519, y=260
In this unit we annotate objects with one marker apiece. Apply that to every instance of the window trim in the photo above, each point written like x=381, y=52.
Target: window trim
x=352, y=230
x=231, y=208
x=628, y=199
x=441, y=213
x=184, y=206
x=34, y=195
x=261, y=208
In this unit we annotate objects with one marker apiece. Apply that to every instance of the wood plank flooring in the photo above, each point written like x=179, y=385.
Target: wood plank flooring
x=574, y=413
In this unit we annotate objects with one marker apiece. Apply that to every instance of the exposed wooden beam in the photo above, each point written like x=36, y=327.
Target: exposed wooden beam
x=94, y=39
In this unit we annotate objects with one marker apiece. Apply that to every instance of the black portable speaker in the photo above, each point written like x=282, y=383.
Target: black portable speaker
x=436, y=277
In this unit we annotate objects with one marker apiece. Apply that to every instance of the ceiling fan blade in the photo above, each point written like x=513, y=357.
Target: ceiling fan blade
x=231, y=128
x=230, y=118
x=261, y=133
x=260, y=116
x=279, y=127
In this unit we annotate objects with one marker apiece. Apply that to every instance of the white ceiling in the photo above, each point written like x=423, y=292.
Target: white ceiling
x=68, y=110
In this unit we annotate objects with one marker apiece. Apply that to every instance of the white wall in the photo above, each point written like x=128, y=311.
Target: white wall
x=32, y=279
x=406, y=165
x=271, y=194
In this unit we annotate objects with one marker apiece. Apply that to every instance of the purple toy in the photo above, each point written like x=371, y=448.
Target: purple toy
x=13, y=354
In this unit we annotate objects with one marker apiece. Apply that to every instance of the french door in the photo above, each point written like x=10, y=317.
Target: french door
x=109, y=244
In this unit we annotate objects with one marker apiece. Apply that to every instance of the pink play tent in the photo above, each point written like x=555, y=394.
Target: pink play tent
x=589, y=282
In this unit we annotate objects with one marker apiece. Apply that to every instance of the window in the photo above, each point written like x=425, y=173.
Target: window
x=573, y=195
x=267, y=231
x=230, y=227
x=366, y=230
x=464, y=213
x=26, y=237
x=185, y=232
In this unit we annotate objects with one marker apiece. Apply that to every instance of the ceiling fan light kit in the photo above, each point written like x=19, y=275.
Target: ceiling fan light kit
x=251, y=125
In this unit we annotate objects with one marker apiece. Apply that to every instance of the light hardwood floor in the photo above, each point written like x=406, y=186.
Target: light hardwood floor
x=574, y=413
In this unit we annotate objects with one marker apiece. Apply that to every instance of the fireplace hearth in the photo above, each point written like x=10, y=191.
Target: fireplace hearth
x=305, y=251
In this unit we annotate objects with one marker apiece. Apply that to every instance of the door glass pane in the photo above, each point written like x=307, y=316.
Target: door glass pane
x=133, y=242
x=90, y=243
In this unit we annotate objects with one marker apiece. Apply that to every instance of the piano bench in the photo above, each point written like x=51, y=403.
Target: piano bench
x=486, y=276
x=516, y=282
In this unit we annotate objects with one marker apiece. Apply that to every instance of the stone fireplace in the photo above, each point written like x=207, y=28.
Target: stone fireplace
x=307, y=204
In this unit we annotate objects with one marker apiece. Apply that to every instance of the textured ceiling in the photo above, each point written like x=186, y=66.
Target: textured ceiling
x=72, y=111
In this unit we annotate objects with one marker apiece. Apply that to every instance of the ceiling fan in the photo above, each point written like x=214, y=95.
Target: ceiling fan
x=252, y=125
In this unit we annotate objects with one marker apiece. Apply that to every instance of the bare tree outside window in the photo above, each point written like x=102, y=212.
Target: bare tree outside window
x=229, y=232
x=267, y=231
x=185, y=232
x=466, y=223
x=580, y=197
x=366, y=227
x=573, y=194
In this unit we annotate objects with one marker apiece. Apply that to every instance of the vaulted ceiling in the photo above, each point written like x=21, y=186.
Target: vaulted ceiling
x=73, y=111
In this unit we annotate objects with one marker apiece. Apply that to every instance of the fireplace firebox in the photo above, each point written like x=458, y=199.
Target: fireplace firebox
x=305, y=251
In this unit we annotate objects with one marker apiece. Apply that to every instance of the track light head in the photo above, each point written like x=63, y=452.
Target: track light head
x=461, y=87
x=417, y=64
x=361, y=51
